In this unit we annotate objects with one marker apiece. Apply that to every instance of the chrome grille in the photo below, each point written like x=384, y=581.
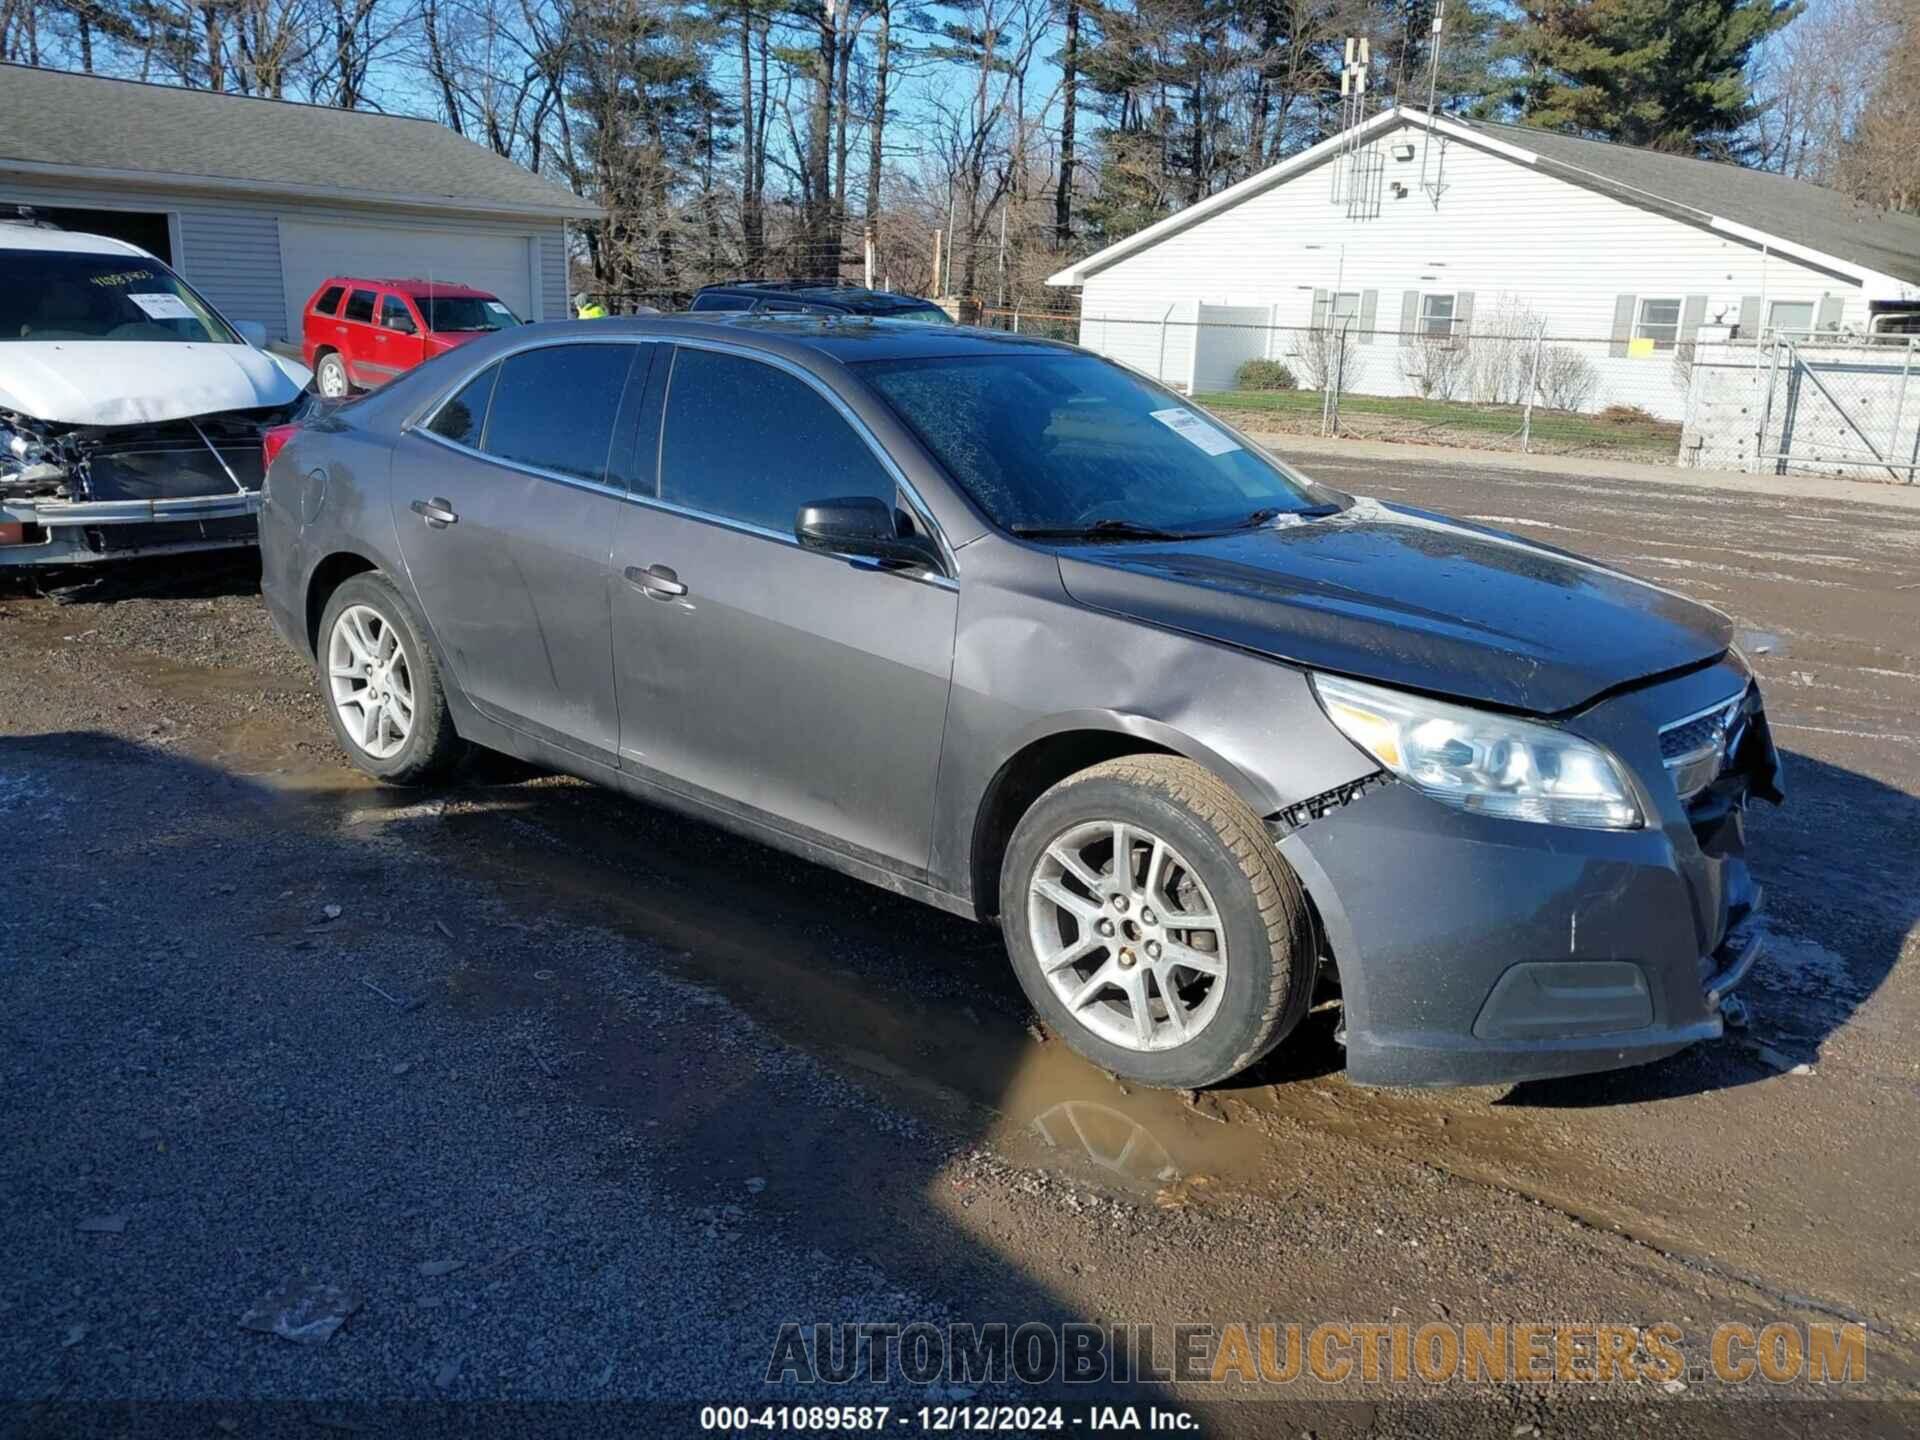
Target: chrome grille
x=1694, y=747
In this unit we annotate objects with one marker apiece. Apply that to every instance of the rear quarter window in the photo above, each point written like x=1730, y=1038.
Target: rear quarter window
x=329, y=300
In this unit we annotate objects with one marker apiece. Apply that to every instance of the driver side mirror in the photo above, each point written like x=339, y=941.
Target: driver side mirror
x=864, y=526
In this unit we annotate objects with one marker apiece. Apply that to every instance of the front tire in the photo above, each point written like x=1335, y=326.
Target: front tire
x=381, y=686
x=1153, y=925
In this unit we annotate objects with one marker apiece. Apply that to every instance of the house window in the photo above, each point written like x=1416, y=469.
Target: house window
x=1345, y=307
x=1436, y=316
x=1659, y=322
x=1793, y=316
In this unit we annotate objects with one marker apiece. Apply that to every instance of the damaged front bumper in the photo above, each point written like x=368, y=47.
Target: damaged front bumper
x=1476, y=950
x=76, y=495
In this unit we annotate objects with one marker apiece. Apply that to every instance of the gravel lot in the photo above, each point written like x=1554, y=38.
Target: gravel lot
x=580, y=1102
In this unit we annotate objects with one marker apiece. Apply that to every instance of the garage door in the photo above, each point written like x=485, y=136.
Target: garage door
x=310, y=252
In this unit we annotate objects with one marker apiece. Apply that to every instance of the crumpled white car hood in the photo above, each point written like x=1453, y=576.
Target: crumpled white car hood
x=120, y=382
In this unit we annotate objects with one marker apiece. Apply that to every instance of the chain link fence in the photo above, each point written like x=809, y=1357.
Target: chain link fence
x=1824, y=404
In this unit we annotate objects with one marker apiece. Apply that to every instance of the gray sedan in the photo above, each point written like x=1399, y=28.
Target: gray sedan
x=1002, y=626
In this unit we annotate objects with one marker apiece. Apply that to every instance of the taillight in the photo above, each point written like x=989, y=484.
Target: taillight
x=273, y=440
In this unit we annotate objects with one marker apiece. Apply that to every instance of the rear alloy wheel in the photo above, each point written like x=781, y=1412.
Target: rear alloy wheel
x=382, y=687
x=1153, y=924
x=330, y=375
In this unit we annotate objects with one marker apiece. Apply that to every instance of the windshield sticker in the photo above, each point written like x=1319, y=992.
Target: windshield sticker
x=1191, y=428
x=162, y=306
x=498, y=308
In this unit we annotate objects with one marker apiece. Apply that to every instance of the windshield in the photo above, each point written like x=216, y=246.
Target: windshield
x=55, y=295
x=915, y=314
x=464, y=312
x=1057, y=441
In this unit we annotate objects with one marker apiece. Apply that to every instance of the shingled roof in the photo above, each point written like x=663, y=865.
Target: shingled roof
x=55, y=122
x=1794, y=210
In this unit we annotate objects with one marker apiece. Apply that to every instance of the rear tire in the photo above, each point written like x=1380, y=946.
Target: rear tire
x=1096, y=946
x=381, y=686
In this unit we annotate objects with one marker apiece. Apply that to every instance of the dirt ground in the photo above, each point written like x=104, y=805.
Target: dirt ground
x=580, y=1101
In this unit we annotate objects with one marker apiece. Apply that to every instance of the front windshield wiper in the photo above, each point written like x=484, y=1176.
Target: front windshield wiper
x=1109, y=529
x=1271, y=513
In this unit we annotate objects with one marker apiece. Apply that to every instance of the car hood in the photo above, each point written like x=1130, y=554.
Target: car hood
x=116, y=382
x=1406, y=598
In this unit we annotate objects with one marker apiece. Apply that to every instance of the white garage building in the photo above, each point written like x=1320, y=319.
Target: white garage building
x=256, y=202
x=1407, y=230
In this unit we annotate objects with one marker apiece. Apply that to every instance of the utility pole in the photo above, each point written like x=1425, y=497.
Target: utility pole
x=936, y=262
x=867, y=245
x=1003, y=254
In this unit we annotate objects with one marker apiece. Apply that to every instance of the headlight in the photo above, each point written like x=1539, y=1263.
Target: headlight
x=1491, y=764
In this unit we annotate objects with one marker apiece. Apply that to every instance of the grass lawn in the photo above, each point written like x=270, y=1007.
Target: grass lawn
x=1550, y=427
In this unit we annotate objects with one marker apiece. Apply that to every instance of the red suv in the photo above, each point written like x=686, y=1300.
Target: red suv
x=359, y=334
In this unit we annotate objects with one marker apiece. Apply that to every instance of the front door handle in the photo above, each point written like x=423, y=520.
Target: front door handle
x=658, y=581
x=436, y=512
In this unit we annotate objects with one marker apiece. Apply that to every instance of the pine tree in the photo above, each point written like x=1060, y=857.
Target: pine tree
x=1669, y=74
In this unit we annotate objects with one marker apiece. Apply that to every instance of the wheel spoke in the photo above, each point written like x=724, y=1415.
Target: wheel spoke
x=1176, y=1017
x=1175, y=953
x=1136, y=988
x=350, y=671
x=1085, y=910
x=389, y=642
x=1100, y=980
x=1197, y=920
x=1123, y=856
x=1156, y=864
x=370, y=723
x=1071, y=862
x=1088, y=942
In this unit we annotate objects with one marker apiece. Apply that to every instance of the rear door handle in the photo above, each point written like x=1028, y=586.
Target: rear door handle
x=436, y=512
x=658, y=581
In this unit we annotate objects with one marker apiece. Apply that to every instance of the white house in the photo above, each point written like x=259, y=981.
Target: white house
x=1411, y=232
x=255, y=202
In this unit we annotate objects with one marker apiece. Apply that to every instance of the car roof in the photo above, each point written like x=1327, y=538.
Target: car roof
x=16, y=235
x=852, y=297
x=414, y=286
x=818, y=340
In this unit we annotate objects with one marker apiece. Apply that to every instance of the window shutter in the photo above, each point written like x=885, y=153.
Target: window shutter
x=1749, y=317
x=1462, y=314
x=1692, y=316
x=1830, y=308
x=1319, y=309
x=1369, y=314
x=1623, y=307
x=1409, y=315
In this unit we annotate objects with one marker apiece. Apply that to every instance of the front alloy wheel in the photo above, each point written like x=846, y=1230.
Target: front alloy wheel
x=1127, y=935
x=1153, y=924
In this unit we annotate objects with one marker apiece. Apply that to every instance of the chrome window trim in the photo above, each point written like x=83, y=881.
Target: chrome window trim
x=846, y=412
x=426, y=414
x=425, y=417
x=578, y=482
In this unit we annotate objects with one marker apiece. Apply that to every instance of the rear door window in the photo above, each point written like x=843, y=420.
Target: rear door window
x=554, y=408
x=360, y=307
x=747, y=442
x=330, y=299
x=464, y=417
x=721, y=302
